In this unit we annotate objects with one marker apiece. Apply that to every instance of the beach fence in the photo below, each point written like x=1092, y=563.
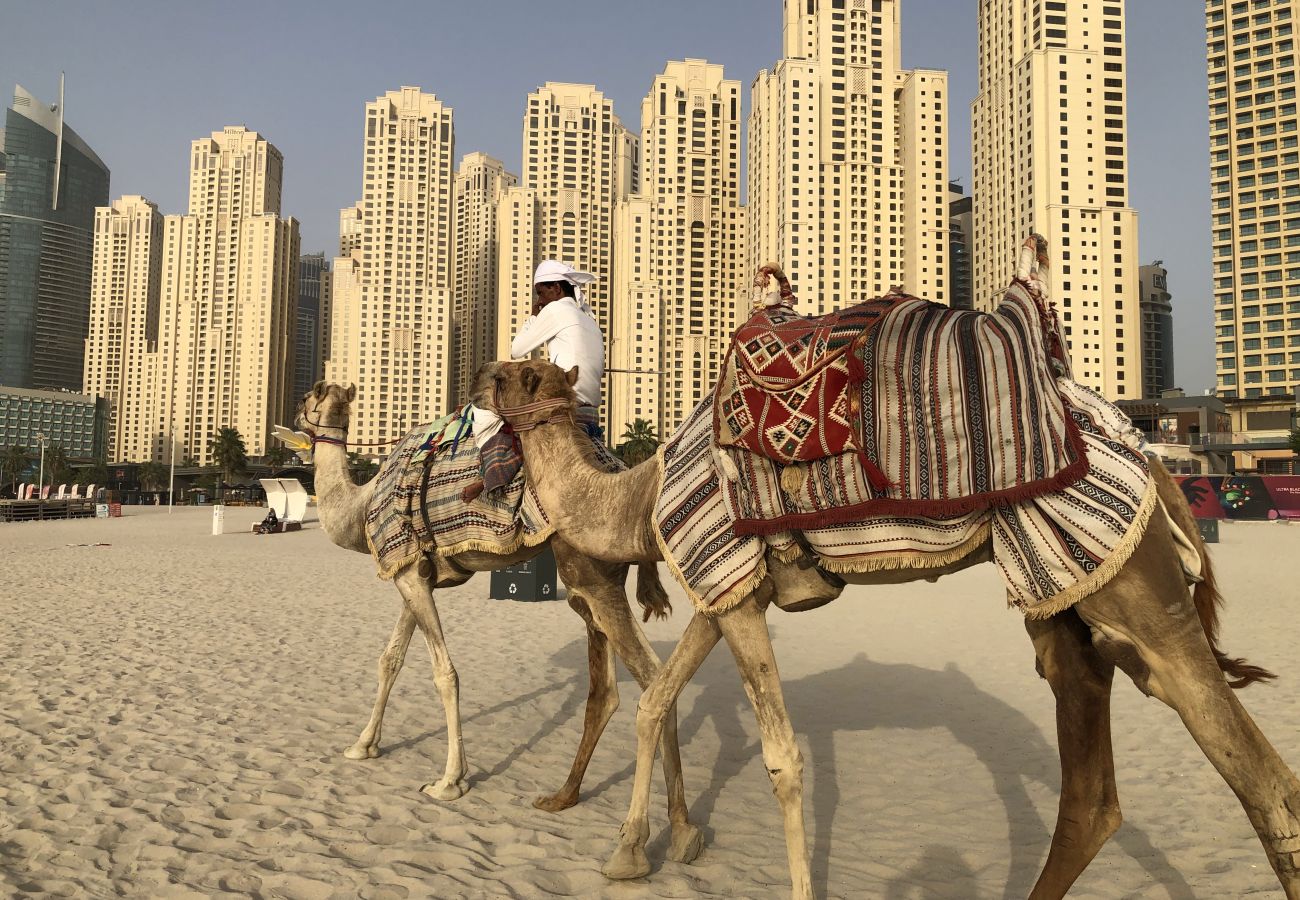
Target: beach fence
x=40, y=510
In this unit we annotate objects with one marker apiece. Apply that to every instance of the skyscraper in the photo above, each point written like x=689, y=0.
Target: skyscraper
x=391, y=304
x=848, y=159
x=50, y=184
x=1255, y=196
x=679, y=262
x=228, y=301
x=313, y=288
x=1157, y=330
x=578, y=162
x=961, y=228
x=481, y=183
x=124, y=306
x=1049, y=140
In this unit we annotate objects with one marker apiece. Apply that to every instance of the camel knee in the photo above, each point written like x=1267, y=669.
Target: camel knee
x=785, y=770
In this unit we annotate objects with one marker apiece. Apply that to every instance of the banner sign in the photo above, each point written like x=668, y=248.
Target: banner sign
x=1247, y=497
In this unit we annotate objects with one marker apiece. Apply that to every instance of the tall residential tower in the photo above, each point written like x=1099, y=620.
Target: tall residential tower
x=1049, y=140
x=848, y=159
x=1255, y=196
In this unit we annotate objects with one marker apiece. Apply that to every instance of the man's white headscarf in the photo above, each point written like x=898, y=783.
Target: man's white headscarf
x=554, y=270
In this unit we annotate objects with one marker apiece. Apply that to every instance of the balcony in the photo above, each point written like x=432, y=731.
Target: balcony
x=1223, y=441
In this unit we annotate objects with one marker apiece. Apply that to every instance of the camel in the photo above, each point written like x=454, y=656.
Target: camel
x=596, y=594
x=1143, y=621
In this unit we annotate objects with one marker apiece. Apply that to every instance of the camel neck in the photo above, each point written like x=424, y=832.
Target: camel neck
x=607, y=515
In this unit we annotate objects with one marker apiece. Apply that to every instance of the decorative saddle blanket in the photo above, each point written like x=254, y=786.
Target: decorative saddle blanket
x=417, y=507
x=1053, y=549
x=927, y=411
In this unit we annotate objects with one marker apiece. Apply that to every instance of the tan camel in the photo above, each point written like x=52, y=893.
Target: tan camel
x=1142, y=621
x=595, y=592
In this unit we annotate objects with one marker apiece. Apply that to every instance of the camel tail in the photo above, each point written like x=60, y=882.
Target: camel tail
x=650, y=592
x=1205, y=595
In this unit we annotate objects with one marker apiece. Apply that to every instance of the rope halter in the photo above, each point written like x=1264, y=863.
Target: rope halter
x=558, y=409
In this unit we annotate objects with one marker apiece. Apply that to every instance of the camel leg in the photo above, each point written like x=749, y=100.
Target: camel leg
x=602, y=701
x=612, y=615
x=657, y=702
x=419, y=599
x=390, y=663
x=1089, y=809
x=1146, y=623
x=745, y=630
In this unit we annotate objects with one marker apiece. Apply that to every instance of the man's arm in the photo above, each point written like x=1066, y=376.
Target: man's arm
x=538, y=329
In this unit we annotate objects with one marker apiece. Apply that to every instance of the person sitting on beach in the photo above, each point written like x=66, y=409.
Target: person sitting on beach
x=564, y=323
x=269, y=524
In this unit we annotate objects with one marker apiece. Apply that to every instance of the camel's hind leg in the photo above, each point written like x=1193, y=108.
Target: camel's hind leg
x=1146, y=623
x=390, y=663
x=1089, y=809
x=602, y=701
x=418, y=594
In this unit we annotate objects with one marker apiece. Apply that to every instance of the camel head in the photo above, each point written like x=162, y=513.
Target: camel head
x=526, y=392
x=326, y=406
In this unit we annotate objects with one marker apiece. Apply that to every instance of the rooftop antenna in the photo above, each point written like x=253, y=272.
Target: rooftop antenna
x=58, y=148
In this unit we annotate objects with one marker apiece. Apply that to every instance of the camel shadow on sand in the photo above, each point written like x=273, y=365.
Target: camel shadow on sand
x=1007, y=743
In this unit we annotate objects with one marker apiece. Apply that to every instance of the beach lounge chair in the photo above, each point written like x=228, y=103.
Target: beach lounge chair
x=288, y=499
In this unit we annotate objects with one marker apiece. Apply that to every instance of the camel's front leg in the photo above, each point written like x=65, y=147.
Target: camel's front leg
x=745, y=629
x=602, y=701
x=1145, y=622
x=390, y=663
x=419, y=599
x=1089, y=809
x=657, y=702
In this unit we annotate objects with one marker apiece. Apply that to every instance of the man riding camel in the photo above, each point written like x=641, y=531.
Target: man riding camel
x=563, y=322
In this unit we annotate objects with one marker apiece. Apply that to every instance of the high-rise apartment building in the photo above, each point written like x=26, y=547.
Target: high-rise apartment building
x=680, y=272
x=578, y=163
x=1157, y=330
x=313, y=289
x=124, y=305
x=481, y=183
x=961, y=238
x=228, y=301
x=392, y=290
x=848, y=159
x=1049, y=140
x=1255, y=195
x=51, y=182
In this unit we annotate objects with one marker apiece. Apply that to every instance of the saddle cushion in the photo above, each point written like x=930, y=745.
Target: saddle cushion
x=417, y=507
x=929, y=411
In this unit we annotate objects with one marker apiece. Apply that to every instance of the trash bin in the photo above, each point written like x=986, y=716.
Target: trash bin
x=115, y=510
x=1209, y=530
x=530, y=581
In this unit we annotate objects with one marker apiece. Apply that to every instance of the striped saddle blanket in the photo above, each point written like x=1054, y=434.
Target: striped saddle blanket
x=926, y=411
x=416, y=506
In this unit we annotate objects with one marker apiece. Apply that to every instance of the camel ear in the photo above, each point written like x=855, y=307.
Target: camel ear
x=571, y=376
x=530, y=380
x=352, y=392
x=318, y=391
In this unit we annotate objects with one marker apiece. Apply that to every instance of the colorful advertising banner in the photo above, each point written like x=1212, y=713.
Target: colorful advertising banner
x=1259, y=497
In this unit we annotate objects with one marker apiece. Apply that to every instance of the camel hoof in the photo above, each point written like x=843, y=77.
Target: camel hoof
x=362, y=751
x=556, y=802
x=442, y=791
x=687, y=844
x=627, y=862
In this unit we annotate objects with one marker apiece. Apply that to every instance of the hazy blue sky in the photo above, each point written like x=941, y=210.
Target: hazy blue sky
x=146, y=77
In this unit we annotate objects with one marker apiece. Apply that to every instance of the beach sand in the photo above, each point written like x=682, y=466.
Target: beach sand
x=174, y=706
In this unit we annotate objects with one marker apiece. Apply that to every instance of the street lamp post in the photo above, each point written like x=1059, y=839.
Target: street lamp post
x=40, y=478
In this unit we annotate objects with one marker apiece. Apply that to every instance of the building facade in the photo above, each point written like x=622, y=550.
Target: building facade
x=680, y=270
x=75, y=423
x=51, y=182
x=961, y=236
x=579, y=162
x=120, y=352
x=391, y=306
x=481, y=184
x=1254, y=196
x=308, y=358
x=848, y=159
x=228, y=301
x=1157, y=330
x=1049, y=141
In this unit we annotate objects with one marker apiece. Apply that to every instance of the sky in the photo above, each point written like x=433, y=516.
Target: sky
x=147, y=77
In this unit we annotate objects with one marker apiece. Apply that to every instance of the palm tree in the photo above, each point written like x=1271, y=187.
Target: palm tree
x=278, y=457
x=640, y=441
x=228, y=452
x=95, y=473
x=1295, y=442
x=152, y=475
x=57, y=467
x=13, y=462
x=361, y=468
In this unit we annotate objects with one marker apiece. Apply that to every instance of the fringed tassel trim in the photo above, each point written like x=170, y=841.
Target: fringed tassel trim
x=788, y=554
x=479, y=545
x=906, y=559
x=1102, y=575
